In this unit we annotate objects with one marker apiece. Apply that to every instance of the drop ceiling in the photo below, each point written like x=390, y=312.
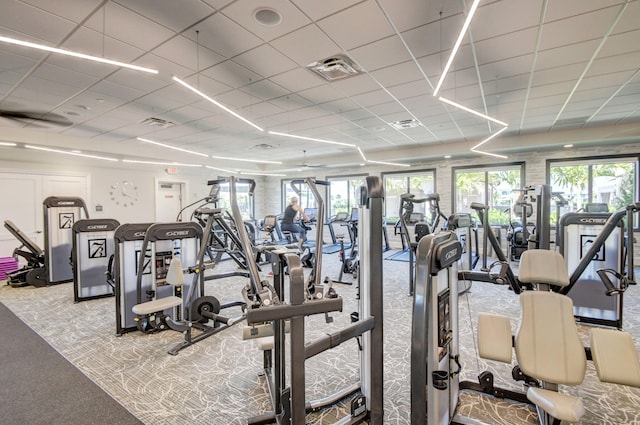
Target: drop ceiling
x=540, y=66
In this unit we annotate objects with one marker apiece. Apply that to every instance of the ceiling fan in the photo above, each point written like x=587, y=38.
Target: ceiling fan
x=35, y=118
x=305, y=164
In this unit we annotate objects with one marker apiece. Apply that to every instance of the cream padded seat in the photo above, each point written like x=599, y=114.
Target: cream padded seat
x=615, y=357
x=175, y=277
x=547, y=343
x=543, y=266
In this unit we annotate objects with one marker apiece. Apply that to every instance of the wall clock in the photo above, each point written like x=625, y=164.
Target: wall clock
x=124, y=193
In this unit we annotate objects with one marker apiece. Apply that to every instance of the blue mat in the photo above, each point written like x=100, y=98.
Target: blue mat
x=399, y=256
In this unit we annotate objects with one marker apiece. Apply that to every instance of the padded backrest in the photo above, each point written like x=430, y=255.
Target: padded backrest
x=17, y=233
x=548, y=346
x=269, y=222
x=543, y=266
x=175, y=276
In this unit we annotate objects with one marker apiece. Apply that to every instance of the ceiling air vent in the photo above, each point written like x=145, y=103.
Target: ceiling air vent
x=405, y=124
x=157, y=122
x=264, y=146
x=335, y=67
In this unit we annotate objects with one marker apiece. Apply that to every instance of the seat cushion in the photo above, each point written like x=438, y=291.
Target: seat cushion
x=494, y=337
x=156, y=306
x=548, y=346
x=543, y=266
x=560, y=406
x=615, y=357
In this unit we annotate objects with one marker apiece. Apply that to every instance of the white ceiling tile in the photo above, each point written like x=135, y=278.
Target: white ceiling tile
x=242, y=11
x=317, y=47
x=397, y=74
x=297, y=79
x=232, y=74
x=171, y=14
x=370, y=59
x=577, y=28
x=129, y=27
x=188, y=54
x=356, y=26
x=319, y=9
x=223, y=36
x=265, y=61
x=352, y=86
x=489, y=22
x=562, y=10
x=32, y=24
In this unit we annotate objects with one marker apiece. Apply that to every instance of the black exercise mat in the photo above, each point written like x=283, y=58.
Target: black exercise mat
x=39, y=386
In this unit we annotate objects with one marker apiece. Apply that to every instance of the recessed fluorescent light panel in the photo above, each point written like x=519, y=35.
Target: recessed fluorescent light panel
x=171, y=147
x=311, y=139
x=456, y=46
x=75, y=54
x=218, y=104
x=40, y=148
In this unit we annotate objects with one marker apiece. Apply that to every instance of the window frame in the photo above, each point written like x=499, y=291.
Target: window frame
x=342, y=177
x=408, y=175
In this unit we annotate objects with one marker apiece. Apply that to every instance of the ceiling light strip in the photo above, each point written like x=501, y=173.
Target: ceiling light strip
x=40, y=148
x=490, y=154
x=75, y=54
x=464, y=108
x=136, y=161
x=247, y=173
x=7, y=144
x=456, y=46
x=489, y=138
x=219, y=169
x=312, y=139
x=255, y=161
x=171, y=147
x=396, y=164
x=218, y=104
x=364, y=158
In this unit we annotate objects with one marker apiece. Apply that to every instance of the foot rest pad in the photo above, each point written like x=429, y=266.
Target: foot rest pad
x=560, y=406
x=494, y=337
x=615, y=357
x=155, y=306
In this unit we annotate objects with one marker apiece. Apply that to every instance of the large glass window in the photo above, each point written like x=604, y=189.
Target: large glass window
x=493, y=185
x=305, y=198
x=245, y=201
x=609, y=181
x=343, y=193
x=420, y=183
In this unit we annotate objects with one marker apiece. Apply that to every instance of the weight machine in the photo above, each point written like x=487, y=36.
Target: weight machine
x=289, y=404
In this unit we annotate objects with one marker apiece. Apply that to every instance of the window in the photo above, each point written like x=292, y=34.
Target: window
x=245, y=201
x=420, y=183
x=606, y=180
x=305, y=198
x=492, y=185
x=344, y=193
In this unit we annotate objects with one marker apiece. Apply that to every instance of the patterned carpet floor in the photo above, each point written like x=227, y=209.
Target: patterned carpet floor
x=217, y=380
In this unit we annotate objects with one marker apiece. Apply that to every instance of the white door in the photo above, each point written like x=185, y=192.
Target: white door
x=23, y=193
x=168, y=201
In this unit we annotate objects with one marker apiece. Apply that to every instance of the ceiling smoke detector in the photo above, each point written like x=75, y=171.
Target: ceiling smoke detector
x=405, y=124
x=157, y=122
x=335, y=67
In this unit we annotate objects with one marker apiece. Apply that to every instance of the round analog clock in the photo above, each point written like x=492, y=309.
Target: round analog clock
x=124, y=193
